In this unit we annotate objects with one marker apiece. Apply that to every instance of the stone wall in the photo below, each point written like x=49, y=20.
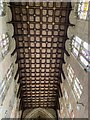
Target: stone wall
x=9, y=107
x=80, y=30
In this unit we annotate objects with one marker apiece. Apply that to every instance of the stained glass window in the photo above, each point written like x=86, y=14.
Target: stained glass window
x=65, y=94
x=70, y=74
x=2, y=8
x=69, y=107
x=70, y=110
x=5, y=83
x=76, y=42
x=83, y=9
x=4, y=45
x=74, y=82
x=85, y=55
x=80, y=50
x=61, y=107
x=77, y=88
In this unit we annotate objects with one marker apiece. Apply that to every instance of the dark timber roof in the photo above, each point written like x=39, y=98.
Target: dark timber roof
x=40, y=32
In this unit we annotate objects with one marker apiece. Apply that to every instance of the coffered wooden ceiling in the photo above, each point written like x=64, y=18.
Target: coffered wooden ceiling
x=40, y=32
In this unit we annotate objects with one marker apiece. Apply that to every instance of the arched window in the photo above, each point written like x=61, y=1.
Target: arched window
x=70, y=110
x=70, y=74
x=77, y=88
x=74, y=83
x=5, y=83
x=2, y=8
x=65, y=94
x=80, y=50
x=4, y=45
x=83, y=9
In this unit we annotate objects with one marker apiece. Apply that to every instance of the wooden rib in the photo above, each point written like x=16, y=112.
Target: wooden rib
x=62, y=72
x=66, y=52
x=16, y=74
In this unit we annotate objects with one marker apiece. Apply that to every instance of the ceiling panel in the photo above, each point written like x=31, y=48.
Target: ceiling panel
x=40, y=32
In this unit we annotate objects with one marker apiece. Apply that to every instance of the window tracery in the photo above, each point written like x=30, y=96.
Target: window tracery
x=83, y=9
x=80, y=50
x=2, y=8
x=4, y=45
x=5, y=83
x=76, y=86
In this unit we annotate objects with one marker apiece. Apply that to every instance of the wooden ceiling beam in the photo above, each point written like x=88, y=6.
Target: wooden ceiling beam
x=36, y=102
x=42, y=95
x=31, y=99
x=44, y=106
x=66, y=24
x=19, y=59
x=61, y=8
x=56, y=83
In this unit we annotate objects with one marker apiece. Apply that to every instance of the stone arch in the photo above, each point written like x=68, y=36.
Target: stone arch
x=35, y=113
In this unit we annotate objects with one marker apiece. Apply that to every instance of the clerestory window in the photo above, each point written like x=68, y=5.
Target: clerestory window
x=80, y=50
x=83, y=11
x=4, y=45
